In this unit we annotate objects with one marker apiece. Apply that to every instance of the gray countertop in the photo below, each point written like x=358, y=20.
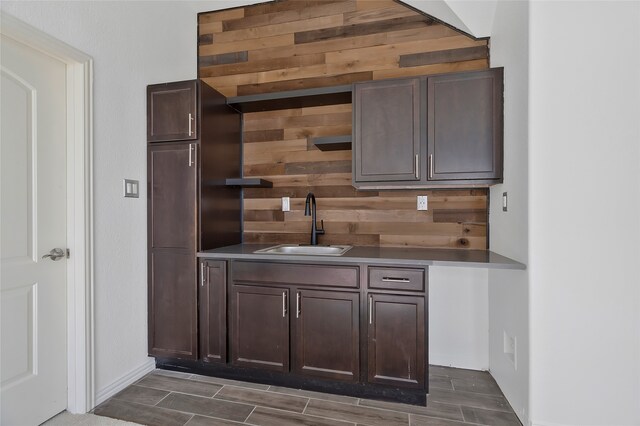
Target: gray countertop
x=377, y=255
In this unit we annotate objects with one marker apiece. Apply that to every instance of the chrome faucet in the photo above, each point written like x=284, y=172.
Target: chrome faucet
x=310, y=210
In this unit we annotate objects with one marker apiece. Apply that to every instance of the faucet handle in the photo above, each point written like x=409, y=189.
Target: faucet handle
x=321, y=230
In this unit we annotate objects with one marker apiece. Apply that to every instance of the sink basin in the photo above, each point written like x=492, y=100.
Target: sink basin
x=305, y=250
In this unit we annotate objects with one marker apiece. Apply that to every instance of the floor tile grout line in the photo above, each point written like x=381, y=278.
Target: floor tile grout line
x=163, y=398
x=190, y=418
x=313, y=397
x=175, y=391
x=247, y=418
x=306, y=405
x=218, y=391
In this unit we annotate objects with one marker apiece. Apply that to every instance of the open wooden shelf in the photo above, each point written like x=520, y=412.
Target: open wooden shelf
x=243, y=182
x=302, y=98
x=332, y=143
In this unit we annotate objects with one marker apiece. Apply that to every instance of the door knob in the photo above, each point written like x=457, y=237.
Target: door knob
x=57, y=254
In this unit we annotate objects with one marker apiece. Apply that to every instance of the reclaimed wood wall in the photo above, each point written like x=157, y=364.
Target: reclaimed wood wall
x=294, y=44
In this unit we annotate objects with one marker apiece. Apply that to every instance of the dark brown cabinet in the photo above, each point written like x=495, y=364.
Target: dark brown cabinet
x=308, y=305
x=213, y=311
x=186, y=214
x=464, y=122
x=386, y=123
x=260, y=327
x=326, y=334
x=172, y=111
x=397, y=340
x=172, y=295
x=429, y=131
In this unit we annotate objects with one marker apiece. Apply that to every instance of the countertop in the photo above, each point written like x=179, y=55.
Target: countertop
x=375, y=255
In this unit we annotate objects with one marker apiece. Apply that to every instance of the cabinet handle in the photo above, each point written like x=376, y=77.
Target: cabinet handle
x=298, y=308
x=430, y=165
x=202, y=274
x=395, y=280
x=284, y=304
x=370, y=309
x=417, y=167
x=190, y=121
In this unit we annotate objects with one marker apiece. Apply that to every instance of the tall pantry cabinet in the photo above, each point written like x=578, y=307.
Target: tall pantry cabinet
x=193, y=147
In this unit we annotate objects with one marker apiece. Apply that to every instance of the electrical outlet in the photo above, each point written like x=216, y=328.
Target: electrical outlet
x=422, y=202
x=510, y=348
x=286, y=204
x=504, y=201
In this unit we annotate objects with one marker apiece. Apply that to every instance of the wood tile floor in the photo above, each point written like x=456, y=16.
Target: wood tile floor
x=165, y=398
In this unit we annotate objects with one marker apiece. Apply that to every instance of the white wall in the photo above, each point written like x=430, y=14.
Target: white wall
x=585, y=213
x=458, y=317
x=509, y=290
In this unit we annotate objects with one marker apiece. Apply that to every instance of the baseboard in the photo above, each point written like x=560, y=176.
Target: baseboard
x=122, y=382
x=534, y=423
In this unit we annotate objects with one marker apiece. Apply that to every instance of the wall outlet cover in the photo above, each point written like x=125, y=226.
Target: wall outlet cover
x=286, y=204
x=422, y=202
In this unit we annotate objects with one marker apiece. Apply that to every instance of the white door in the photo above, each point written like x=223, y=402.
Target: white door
x=33, y=374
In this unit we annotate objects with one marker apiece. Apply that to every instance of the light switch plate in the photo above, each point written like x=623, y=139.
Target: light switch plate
x=422, y=202
x=286, y=204
x=504, y=201
x=131, y=188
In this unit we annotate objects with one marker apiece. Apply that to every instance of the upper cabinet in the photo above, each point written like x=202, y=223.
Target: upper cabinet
x=464, y=126
x=172, y=111
x=429, y=131
x=386, y=123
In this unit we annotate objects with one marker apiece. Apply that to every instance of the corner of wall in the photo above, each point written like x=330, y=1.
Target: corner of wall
x=125, y=380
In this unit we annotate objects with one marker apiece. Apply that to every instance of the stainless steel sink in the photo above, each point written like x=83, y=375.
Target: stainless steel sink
x=305, y=250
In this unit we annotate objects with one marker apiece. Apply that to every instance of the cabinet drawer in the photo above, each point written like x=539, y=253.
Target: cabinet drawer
x=411, y=279
x=285, y=273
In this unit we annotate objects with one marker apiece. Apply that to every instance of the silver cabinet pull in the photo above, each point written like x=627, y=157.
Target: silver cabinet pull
x=202, y=274
x=192, y=154
x=370, y=309
x=284, y=304
x=190, y=121
x=298, y=308
x=417, y=166
x=430, y=165
x=395, y=280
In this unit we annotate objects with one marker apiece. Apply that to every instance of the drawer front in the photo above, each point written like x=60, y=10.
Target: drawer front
x=410, y=279
x=286, y=273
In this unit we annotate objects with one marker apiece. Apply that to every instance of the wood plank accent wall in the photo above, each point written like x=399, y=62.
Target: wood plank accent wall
x=295, y=44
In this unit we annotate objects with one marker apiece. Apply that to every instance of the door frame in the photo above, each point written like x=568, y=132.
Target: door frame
x=79, y=179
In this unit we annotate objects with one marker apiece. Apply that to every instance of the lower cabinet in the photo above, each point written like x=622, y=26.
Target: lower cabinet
x=260, y=327
x=213, y=311
x=396, y=340
x=308, y=320
x=326, y=335
x=173, y=304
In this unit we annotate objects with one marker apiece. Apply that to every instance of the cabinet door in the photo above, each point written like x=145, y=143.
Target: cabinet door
x=396, y=340
x=173, y=304
x=172, y=111
x=172, y=196
x=386, y=131
x=326, y=334
x=260, y=327
x=213, y=311
x=172, y=292
x=464, y=126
